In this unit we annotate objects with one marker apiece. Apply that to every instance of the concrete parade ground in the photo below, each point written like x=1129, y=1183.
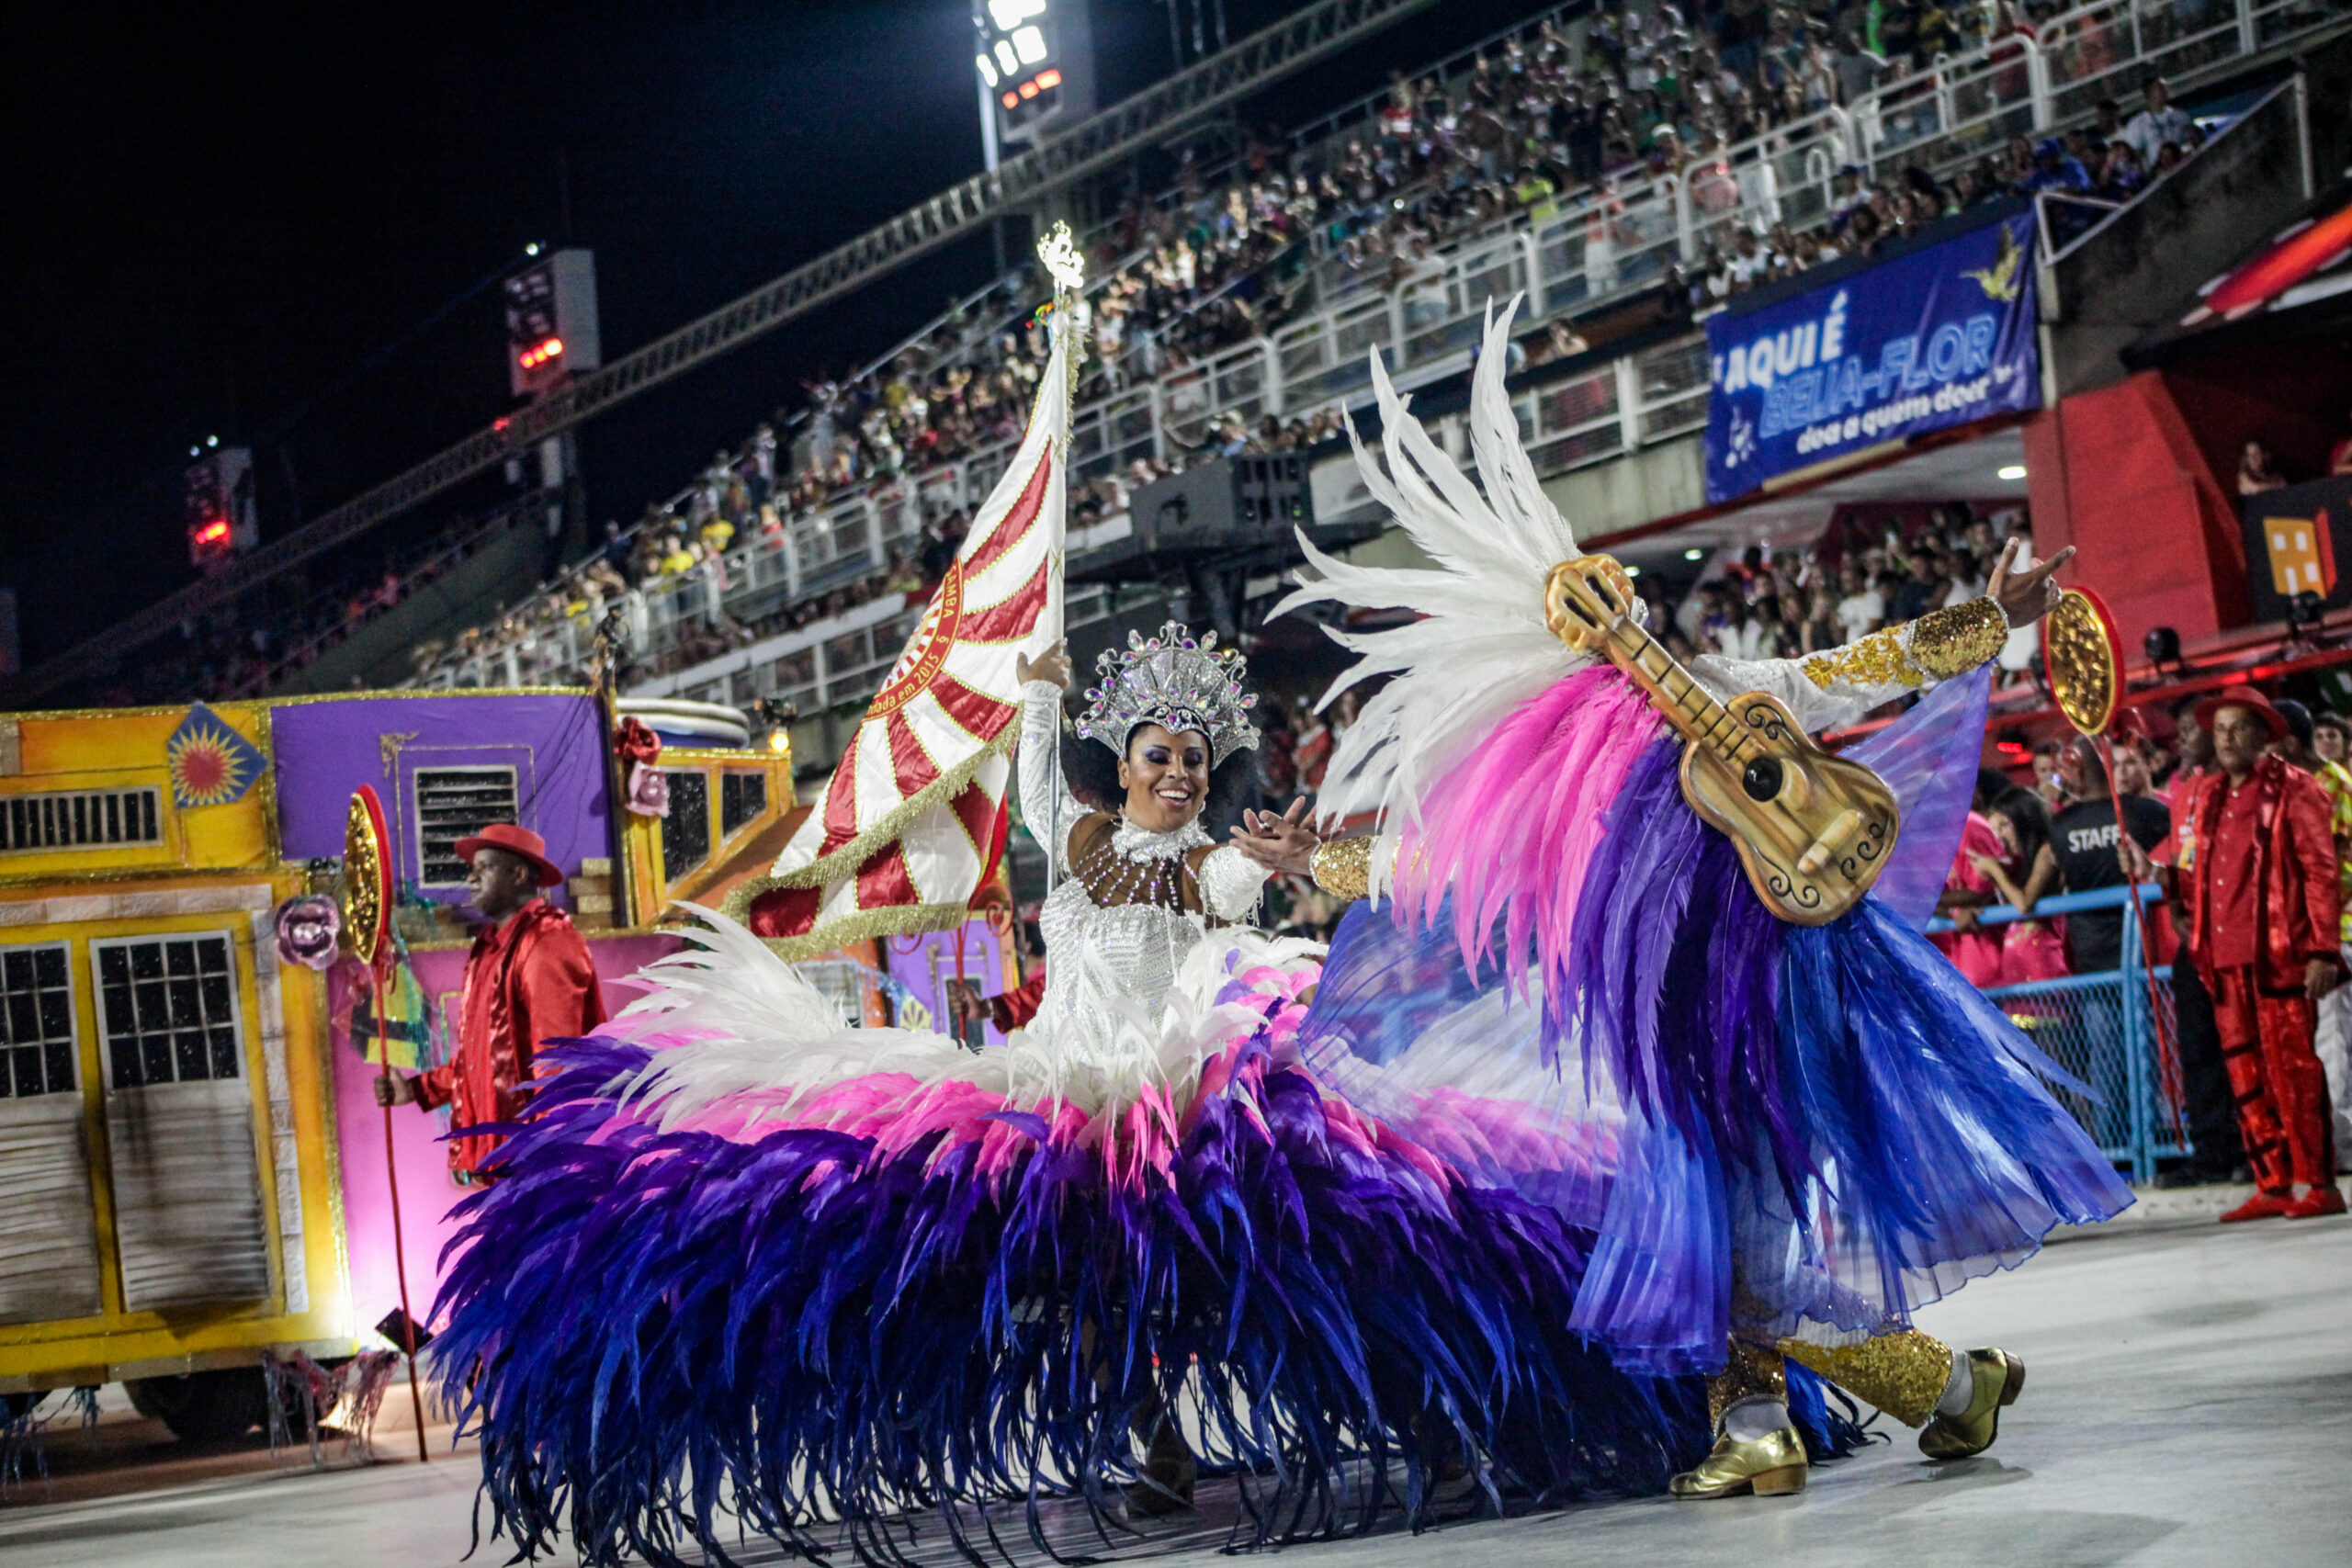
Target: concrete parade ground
x=2189, y=1403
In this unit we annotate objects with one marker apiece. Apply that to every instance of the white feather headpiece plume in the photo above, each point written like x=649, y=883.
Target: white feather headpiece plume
x=1480, y=646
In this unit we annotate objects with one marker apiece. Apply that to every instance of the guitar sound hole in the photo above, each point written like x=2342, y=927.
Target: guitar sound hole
x=1762, y=779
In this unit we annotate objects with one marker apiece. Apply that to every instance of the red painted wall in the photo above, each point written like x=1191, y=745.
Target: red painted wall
x=2118, y=474
x=2142, y=476
x=2291, y=398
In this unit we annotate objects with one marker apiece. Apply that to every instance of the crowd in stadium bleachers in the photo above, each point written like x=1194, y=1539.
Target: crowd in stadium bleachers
x=1551, y=119
x=1533, y=125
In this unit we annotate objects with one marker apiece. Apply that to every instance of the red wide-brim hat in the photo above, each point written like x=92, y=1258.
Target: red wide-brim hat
x=520, y=842
x=2244, y=697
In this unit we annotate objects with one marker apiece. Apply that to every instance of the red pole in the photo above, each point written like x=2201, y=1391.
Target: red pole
x=399, y=1249
x=2167, y=1052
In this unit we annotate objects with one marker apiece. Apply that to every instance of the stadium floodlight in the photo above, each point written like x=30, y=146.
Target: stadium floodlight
x=1034, y=60
x=218, y=497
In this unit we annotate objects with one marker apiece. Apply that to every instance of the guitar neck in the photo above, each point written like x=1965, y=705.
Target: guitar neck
x=1697, y=716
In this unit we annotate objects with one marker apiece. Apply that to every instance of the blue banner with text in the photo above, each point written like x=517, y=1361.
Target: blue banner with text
x=1936, y=337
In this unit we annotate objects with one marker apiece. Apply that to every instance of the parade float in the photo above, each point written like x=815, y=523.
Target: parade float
x=195, y=1164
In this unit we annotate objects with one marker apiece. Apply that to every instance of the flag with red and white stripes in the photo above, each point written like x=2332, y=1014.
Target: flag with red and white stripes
x=913, y=819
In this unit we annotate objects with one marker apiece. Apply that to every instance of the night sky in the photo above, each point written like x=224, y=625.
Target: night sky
x=220, y=219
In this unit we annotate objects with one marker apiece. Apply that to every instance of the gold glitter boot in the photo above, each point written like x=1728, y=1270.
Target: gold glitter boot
x=1997, y=1376
x=1770, y=1466
x=1902, y=1373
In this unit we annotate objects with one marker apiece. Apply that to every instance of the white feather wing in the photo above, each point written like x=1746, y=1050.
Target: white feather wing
x=1480, y=647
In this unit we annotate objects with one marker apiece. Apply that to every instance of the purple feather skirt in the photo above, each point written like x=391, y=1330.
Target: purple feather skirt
x=1583, y=1000
x=667, y=1340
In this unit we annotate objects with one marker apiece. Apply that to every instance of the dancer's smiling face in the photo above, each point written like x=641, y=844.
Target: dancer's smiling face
x=1166, y=776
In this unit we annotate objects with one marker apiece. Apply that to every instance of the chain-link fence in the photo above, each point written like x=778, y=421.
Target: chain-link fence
x=2106, y=1032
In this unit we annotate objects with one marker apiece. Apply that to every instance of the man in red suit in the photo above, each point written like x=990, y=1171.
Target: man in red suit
x=2257, y=877
x=529, y=979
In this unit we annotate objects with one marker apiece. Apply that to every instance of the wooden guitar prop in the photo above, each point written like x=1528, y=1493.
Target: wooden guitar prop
x=1812, y=831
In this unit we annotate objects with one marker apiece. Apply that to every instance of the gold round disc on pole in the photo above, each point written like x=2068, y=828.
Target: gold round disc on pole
x=366, y=876
x=2083, y=659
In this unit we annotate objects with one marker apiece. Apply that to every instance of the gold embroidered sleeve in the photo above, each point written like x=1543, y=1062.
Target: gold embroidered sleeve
x=1954, y=640
x=1343, y=867
x=1878, y=659
x=1937, y=647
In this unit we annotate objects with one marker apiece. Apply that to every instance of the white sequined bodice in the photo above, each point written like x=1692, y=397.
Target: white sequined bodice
x=1095, y=957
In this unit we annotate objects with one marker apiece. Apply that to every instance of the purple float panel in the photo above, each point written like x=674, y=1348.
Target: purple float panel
x=427, y=1191
x=547, y=750
x=924, y=965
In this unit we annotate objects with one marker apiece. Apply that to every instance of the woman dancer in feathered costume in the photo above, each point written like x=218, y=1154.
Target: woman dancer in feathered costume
x=746, y=1269
x=1786, y=1136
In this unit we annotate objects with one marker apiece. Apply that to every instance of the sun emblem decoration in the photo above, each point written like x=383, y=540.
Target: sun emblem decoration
x=210, y=763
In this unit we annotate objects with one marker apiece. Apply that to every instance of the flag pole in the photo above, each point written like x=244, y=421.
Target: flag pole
x=399, y=1247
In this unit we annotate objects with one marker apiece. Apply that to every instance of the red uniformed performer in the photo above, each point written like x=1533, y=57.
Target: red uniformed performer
x=1010, y=1010
x=2258, y=878
x=1013, y=1009
x=529, y=979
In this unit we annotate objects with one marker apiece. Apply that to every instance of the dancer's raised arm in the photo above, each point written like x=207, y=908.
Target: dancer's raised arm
x=1048, y=808
x=1838, y=683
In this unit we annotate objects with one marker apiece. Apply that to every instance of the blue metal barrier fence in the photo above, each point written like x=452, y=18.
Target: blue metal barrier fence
x=2101, y=1028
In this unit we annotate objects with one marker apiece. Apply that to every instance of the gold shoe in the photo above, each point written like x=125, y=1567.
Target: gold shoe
x=1999, y=1376
x=1771, y=1466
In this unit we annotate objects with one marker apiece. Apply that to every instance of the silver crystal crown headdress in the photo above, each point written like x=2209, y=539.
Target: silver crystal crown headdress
x=1172, y=681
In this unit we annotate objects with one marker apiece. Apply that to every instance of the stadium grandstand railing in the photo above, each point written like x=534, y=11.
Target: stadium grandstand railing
x=1580, y=253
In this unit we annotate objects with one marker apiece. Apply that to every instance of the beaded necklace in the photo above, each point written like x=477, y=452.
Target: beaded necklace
x=1134, y=866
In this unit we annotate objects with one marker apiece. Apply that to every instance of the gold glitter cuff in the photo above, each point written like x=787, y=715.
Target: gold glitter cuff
x=1343, y=867
x=1954, y=641
x=1902, y=1373
x=1750, y=1371
x=1878, y=659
